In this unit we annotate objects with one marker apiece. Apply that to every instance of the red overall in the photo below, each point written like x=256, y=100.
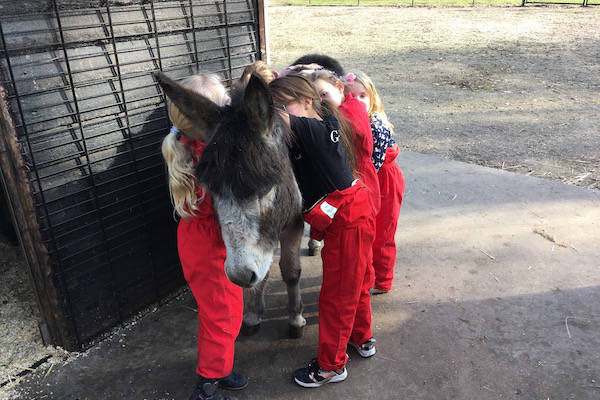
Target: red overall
x=220, y=302
x=391, y=185
x=356, y=113
x=344, y=302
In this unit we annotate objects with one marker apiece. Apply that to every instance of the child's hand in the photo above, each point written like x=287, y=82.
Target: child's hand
x=300, y=68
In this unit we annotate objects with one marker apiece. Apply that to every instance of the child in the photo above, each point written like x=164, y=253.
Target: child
x=324, y=61
x=391, y=180
x=338, y=209
x=310, y=62
x=201, y=250
x=331, y=90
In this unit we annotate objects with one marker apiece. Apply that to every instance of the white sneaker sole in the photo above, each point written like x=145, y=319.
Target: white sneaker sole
x=364, y=353
x=337, y=378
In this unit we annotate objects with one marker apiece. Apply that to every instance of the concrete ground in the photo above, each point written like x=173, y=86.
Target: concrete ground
x=496, y=296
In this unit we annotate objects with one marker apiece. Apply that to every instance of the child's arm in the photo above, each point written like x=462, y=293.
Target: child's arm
x=382, y=139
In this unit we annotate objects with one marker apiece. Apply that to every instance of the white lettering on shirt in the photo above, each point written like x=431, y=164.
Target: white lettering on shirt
x=335, y=136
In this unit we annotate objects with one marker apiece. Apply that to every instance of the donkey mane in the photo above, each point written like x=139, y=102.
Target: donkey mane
x=250, y=162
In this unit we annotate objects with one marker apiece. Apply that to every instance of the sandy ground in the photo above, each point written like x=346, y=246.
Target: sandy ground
x=512, y=88
x=20, y=339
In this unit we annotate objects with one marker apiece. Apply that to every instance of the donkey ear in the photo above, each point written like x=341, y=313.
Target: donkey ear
x=258, y=105
x=202, y=112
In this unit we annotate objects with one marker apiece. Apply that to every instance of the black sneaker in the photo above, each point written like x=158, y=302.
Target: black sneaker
x=313, y=376
x=233, y=381
x=208, y=389
x=366, y=349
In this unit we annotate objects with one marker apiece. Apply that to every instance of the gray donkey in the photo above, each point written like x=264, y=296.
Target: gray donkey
x=246, y=168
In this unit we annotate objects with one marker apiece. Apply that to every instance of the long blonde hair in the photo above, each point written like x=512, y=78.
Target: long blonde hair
x=180, y=157
x=375, y=103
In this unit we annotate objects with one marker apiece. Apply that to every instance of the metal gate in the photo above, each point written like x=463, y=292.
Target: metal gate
x=82, y=123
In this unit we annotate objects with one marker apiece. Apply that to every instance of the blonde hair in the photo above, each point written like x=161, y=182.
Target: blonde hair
x=260, y=68
x=375, y=103
x=180, y=157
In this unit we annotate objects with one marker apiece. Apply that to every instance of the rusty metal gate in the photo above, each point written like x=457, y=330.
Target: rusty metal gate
x=82, y=122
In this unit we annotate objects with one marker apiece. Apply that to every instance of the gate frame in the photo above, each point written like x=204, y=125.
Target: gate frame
x=56, y=327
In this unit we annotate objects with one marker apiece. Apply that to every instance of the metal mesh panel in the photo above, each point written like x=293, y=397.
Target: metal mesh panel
x=90, y=118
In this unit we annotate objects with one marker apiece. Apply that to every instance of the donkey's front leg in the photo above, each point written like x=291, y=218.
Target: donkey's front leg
x=289, y=264
x=254, y=307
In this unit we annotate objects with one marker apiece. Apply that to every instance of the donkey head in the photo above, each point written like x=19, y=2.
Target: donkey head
x=246, y=169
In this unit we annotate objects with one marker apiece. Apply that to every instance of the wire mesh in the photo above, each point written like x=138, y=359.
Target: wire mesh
x=90, y=119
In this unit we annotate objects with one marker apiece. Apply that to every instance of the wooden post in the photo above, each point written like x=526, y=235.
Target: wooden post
x=54, y=322
x=262, y=35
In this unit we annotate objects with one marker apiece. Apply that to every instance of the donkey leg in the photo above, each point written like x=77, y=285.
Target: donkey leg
x=254, y=307
x=289, y=264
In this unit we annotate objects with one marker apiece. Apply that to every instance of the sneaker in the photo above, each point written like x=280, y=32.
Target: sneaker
x=367, y=349
x=207, y=389
x=313, y=376
x=233, y=381
x=375, y=291
x=314, y=247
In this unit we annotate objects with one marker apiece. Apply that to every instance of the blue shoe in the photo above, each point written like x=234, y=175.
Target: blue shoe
x=233, y=381
x=207, y=389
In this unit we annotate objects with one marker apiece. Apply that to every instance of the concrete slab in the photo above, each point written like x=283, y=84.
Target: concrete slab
x=496, y=296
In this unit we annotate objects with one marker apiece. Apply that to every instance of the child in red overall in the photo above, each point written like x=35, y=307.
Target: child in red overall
x=331, y=90
x=202, y=251
x=338, y=208
x=391, y=180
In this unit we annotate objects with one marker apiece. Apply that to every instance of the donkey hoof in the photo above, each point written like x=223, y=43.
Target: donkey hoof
x=296, y=332
x=250, y=330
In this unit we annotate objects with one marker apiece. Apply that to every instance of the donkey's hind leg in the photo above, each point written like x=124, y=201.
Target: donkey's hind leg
x=289, y=264
x=254, y=307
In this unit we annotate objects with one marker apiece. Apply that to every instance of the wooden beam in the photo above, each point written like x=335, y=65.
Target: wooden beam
x=262, y=35
x=20, y=198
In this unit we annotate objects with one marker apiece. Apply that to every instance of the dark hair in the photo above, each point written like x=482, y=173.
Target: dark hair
x=323, y=60
x=294, y=87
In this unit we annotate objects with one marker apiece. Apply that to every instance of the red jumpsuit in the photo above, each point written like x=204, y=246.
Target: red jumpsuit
x=345, y=301
x=356, y=113
x=391, y=186
x=220, y=302
x=345, y=221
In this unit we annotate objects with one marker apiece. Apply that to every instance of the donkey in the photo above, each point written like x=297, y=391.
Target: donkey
x=246, y=168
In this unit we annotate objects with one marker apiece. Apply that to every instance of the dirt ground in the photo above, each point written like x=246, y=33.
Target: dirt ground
x=20, y=339
x=512, y=88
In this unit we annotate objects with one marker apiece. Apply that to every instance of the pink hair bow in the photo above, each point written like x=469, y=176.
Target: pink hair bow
x=349, y=78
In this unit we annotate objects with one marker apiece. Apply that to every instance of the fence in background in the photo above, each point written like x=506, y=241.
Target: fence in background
x=417, y=3
x=83, y=120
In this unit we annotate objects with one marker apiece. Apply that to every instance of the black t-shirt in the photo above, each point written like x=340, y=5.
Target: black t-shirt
x=319, y=158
